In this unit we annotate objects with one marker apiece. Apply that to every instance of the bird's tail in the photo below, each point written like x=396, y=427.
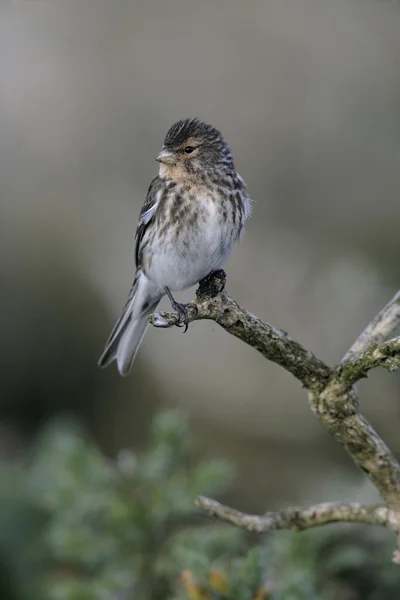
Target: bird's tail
x=128, y=332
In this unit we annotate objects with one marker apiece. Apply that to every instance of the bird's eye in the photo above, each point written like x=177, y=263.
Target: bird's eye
x=189, y=149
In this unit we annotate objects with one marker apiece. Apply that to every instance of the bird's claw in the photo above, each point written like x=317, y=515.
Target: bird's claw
x=183, y=313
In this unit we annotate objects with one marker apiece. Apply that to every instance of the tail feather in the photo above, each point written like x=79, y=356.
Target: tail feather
x=130, y=342
x=129, y=330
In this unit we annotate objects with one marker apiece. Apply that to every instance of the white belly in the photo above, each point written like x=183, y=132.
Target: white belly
x=192, y=251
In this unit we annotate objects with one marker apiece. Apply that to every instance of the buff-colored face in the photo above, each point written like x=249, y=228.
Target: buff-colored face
x=192, y=148
x=181, y=160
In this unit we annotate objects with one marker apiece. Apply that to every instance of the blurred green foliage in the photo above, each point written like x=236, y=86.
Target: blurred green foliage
x=77, y=526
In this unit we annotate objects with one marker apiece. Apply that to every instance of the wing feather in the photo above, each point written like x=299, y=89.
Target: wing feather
x=147, y=214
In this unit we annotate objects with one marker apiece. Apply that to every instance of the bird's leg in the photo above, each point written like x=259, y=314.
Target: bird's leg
x=181, y=309
x=212, y=285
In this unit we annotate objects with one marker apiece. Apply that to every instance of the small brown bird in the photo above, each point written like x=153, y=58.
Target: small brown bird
x=193, y=214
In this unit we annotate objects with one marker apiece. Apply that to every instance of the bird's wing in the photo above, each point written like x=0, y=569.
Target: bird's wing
x=147, y=213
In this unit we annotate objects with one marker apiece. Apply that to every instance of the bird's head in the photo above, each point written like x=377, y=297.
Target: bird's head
x=192, y=147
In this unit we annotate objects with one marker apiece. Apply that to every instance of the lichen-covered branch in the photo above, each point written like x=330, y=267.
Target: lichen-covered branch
x=332, y=397
x=386, y=355
x=303, y=518
x=336, y=408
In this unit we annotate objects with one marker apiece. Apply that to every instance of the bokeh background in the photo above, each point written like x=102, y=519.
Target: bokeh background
x=307, y=93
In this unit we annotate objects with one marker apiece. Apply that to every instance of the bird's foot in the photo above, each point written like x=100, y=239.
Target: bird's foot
x=212, y=285
x=182, y=310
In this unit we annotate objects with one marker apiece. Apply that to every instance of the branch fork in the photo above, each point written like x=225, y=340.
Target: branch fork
x=332, y=398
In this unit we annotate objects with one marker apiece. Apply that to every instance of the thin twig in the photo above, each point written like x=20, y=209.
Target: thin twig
x=302, y=518
x=385, y=322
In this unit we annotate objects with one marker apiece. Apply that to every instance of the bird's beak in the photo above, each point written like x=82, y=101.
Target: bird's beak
x=166, y=157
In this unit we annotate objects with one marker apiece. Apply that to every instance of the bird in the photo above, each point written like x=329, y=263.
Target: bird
x=193, y=214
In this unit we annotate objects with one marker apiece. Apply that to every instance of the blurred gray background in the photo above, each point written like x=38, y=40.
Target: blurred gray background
x=307, y=93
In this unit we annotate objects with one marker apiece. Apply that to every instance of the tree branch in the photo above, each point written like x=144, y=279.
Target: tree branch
x=274, y=344
x=332, y=398
x=302, y=518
